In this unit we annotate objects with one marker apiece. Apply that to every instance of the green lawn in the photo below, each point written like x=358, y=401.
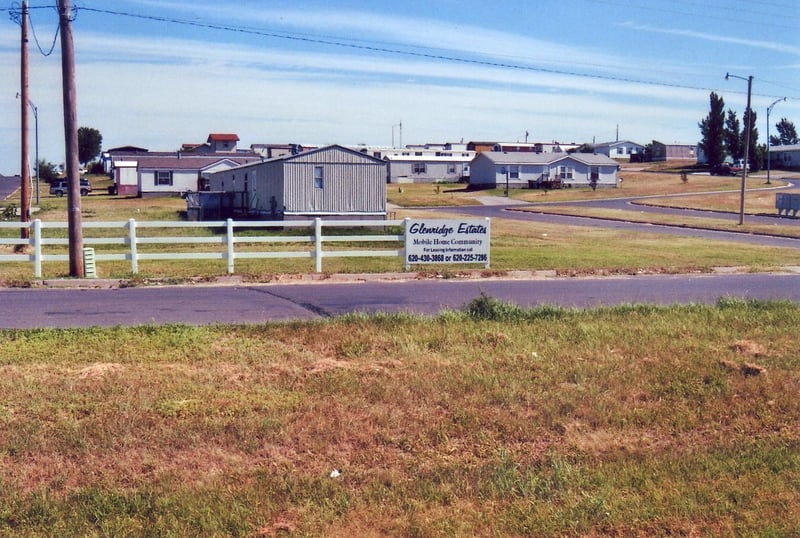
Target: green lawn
x=515, y=246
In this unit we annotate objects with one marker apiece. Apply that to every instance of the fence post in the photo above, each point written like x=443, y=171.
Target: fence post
x=132, y=241
x=489, y=235
x=318, y=244
x=405, y=243
x=229, y=225
x=37, y=248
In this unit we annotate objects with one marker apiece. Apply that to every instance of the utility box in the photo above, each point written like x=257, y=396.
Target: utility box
x=787, y=203
x=89, y=268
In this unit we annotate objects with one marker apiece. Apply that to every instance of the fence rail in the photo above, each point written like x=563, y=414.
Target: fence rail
x=130, y=238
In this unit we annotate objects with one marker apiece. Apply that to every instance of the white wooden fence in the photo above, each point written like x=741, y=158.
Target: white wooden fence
x=129, y=238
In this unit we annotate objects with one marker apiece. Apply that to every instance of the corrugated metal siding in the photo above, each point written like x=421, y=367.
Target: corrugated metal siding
x=353, y=183
x=349, y=187
x=268, y=179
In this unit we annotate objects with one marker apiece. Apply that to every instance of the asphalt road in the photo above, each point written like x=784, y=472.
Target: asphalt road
x=34, y=308
x=8, y=185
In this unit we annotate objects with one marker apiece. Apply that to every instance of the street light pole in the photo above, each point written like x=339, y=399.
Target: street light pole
x=36, y=122
x=748, y=129
x=769, y=111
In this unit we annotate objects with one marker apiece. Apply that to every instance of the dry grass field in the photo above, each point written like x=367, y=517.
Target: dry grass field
x=488, y=421
x=492, y=421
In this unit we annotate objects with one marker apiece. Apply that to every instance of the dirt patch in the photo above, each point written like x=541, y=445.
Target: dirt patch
x=748, y=347
x=100, y=370
x=747, y=369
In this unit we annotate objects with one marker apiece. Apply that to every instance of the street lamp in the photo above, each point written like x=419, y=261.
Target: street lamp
x=769, y=110
x=749, y=115
x=36, y=122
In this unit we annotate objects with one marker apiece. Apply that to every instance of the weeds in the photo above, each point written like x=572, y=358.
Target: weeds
x=493, y=420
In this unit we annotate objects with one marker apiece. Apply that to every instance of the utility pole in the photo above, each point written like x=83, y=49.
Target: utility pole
x=71, y=140
x=25, y=173
x=748, y=129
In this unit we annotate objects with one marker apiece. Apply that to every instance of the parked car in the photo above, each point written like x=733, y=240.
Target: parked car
x=60, y=188
x=725, y=169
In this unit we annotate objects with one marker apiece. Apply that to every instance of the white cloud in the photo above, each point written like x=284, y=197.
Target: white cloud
x=755, y=43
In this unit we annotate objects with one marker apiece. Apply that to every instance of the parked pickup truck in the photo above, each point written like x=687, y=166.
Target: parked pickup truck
x=60, y=188
x=725, y=169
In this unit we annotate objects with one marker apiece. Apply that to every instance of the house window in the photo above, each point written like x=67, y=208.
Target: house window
x=319, y=177
x=565, y=173
x=420, y=168
x=513, y=172
x=164, y=177
x=451, y=169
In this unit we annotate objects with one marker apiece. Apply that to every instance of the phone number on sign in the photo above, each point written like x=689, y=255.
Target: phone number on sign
x=433, y=258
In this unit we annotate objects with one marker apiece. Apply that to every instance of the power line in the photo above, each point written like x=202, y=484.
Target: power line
x=704, y=13
x=377, y=47
x=364, y=46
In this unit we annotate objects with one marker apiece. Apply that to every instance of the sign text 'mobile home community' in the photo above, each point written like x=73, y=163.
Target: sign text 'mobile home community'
x=448, y=241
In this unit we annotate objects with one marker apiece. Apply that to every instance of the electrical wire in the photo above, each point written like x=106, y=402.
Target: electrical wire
x=36, y=38
x=374, y=47
x=316, y=40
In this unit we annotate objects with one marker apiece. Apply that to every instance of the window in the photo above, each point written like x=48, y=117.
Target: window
x=451, y=169
x=565, y=172
x=420, y=168
x=319, y=177
x=164, y=177
x=513, y=172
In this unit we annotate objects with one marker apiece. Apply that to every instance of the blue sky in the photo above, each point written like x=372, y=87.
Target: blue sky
x=161, y=73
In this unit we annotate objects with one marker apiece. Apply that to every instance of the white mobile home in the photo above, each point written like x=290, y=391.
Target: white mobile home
x=426, y=166
x=179, y=174
x=785, y=156
x=621, y=149
x=538, y=170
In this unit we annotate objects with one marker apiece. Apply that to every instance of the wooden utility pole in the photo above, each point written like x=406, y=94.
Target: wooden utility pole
x=71, y=140
x=25, y=173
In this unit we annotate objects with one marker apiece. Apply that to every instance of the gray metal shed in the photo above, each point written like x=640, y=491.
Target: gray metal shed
x=329, y=182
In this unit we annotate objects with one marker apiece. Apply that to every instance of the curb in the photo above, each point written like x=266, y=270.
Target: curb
x=351, y=278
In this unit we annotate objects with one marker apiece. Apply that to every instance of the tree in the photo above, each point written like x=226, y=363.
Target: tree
x=47, y=171
x=89, y=143
x=787, y=134
x=712, y=130
x=583, y=148
x=648, y=153
x=733, y=136
x=752, y=150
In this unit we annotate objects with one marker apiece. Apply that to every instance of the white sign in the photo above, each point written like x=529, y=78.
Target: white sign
x=447, y=241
